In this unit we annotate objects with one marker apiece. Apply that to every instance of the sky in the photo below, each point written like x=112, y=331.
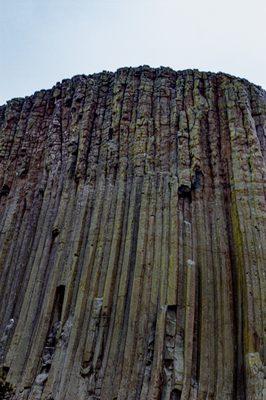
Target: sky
x=45, y=41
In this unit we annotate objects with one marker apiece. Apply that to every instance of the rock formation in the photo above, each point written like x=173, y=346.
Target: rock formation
x=132, y=238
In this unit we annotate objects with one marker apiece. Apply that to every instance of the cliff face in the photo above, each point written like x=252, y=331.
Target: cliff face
x=132, y=214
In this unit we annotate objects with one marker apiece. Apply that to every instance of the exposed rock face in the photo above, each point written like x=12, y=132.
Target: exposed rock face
x=132, y=238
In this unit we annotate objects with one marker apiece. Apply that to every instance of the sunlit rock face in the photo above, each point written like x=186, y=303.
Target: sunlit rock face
x=132, y=238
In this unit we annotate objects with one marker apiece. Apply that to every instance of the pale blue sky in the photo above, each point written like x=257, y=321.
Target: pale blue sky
x=45, y=41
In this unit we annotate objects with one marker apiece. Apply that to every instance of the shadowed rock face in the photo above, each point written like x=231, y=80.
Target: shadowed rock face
x=132, y=238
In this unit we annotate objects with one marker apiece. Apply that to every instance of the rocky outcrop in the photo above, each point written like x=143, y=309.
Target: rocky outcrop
x=132, y=237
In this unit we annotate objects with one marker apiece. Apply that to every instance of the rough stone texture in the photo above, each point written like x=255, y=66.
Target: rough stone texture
x=132, y=238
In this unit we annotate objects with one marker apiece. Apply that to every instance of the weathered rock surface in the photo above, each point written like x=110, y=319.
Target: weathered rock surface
x=132, y=238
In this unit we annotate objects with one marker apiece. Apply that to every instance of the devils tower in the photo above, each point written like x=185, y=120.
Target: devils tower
x=132, y=238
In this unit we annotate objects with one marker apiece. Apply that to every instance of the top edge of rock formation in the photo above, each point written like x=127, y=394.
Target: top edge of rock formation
x=142, y=68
